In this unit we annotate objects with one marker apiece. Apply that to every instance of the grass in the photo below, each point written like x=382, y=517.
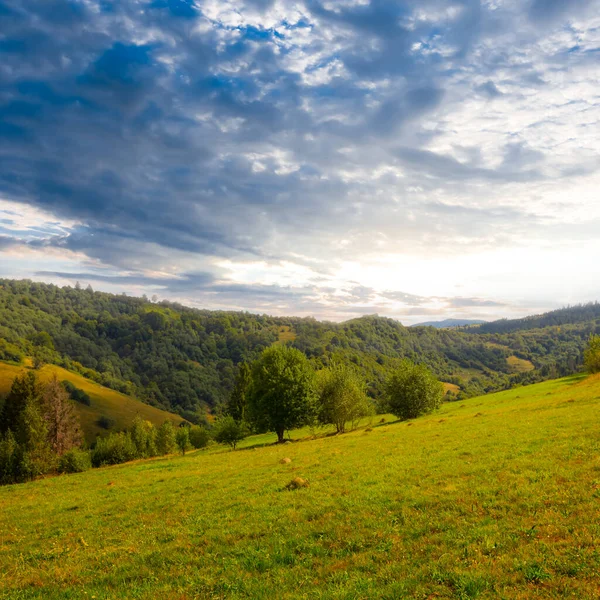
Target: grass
x=121, y=409
x=285, y=335
x=492, y=497
x=520, y=365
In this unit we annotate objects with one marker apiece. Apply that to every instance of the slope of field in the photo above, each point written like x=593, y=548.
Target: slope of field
x=494, y=497
x=121, y=409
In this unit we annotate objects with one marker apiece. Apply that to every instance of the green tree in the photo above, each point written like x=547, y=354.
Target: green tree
x=182, y=438
x=229, y=431
x=282, y=394
x=143, y=435
x=35, y=456
x=343, y=397
x=412, y=390
x=236, y=406
x=24, y=388
x=165, y=439
x=592, y=354
x=8, y=458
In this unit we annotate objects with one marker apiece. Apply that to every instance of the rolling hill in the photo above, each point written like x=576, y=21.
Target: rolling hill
x=493, y=497
x=119, y=408
x=185, y=360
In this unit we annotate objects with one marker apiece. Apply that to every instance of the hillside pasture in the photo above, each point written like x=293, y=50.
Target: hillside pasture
x=119, y=408
x=492, y=497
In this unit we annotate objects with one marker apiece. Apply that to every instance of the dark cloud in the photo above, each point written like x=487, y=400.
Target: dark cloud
x=168, y=130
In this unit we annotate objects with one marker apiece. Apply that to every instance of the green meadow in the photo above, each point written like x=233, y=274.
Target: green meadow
x=493, y=497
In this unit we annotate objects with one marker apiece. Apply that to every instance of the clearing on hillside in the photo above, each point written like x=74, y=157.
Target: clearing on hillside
x=119, y=408
x=492, y=497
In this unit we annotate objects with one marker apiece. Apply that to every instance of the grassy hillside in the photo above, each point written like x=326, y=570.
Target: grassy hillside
x=493, y=497
x=121, y=409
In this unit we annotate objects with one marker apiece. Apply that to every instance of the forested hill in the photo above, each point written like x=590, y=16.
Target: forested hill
x=185, y=360
x=583, y=313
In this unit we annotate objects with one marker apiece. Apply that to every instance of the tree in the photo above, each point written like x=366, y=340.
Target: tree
x=282, y=393
x=64, y=429
x=238, y=399
x=165, y=439
x=34, y=452
x=143, y=435
x=412, y=390
x=229, y=431
x=24, y=388
x=592, y=354
x=182, y=438
x=343, y=398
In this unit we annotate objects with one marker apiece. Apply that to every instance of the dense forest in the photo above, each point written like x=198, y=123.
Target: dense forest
x=185, y=360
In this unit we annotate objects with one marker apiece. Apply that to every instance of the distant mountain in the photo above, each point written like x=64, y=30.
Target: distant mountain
x=446, y=323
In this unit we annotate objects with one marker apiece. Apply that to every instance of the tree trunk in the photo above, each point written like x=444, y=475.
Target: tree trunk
x=280, y=433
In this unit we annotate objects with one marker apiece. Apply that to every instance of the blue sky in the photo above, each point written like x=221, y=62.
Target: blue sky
x=413, y=159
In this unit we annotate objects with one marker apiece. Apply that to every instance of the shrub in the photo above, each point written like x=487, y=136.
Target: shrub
x=412, y=391
x=199, y=437
x=105, y=422
x=76, y=393
x=229, y=431
x=75, y=461
x=113, y=449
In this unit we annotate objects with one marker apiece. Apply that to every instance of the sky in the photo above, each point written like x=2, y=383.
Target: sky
x=416, y=159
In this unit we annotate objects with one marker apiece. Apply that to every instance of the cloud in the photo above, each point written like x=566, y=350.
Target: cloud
x=174, y=135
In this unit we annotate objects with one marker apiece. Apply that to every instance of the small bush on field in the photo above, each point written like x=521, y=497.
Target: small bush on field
x=143, y=435
x=229, y=431
x=76, y=394
x=105, y=422
x=199, y=437
x=75, y=461
x=113, y=449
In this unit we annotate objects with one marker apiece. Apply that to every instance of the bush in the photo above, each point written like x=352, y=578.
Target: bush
x=199, y=437
x=229, y=431
x=76, y=393
x=412, y=391
x=105, y=422
x=113, y=449
x=75, y=461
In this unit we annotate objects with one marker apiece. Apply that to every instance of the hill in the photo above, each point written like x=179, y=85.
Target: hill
x=185, y=360
x=446, y=323
x=570, y=315
x=104, y=402
x=491, y=497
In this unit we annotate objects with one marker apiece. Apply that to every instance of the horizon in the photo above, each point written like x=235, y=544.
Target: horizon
x=305, y=158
